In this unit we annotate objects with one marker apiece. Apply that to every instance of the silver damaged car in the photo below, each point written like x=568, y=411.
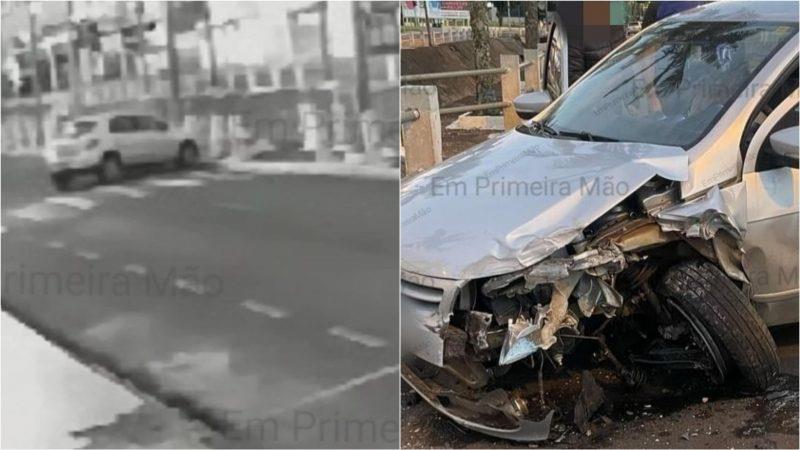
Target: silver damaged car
x=649, y=214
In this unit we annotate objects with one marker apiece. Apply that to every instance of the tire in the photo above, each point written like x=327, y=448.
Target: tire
x=707, y=294
x=110, y=170
x=188, y=155
x=61, y=180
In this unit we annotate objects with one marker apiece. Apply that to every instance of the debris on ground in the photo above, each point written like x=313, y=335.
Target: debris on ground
x=589, y=402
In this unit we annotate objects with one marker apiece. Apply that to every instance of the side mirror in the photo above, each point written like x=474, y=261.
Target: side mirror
x=784, y=142
x=531, y=104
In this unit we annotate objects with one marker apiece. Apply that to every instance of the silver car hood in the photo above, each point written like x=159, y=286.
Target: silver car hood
x=514, y=200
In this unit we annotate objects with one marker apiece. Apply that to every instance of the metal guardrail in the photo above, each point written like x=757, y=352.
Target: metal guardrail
x=476, y=107
x=454, y=74
x=409, y=115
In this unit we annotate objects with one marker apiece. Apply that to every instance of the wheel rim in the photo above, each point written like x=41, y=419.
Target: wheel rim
x=705, y=341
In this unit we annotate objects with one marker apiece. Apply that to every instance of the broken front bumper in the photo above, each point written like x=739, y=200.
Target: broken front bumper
x=494, y=413
x=426, y=305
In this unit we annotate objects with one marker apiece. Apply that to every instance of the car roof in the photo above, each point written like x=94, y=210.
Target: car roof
x=740, y=11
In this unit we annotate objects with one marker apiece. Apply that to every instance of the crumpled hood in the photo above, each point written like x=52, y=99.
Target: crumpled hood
x=515, y=199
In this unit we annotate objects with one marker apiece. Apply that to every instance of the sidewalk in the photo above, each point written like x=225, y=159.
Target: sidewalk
x=47, y=395
x=50, y=400
x=311, y=168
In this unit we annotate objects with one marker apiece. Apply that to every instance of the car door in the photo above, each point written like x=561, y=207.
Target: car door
x=122, y=129
x=166, y=141
x=771, y=240
x=148, y=139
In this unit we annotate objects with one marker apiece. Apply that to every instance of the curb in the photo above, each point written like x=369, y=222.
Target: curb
x=311, y=168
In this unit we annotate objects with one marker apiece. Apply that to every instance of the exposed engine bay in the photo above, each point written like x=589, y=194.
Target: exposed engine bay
x=601, y=298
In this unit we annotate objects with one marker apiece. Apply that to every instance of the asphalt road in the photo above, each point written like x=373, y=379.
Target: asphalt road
x=263, y=306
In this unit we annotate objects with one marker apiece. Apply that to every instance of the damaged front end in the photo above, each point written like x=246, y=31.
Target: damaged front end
x=471, y=346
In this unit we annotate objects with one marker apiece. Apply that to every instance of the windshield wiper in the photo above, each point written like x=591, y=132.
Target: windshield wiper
x=586, y=136
x=540, y=128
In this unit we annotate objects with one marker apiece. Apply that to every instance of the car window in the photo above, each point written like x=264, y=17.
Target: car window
x=145, y=123
x=670, y=83
x=161, y=125
x=77, y=128
x=122, y=124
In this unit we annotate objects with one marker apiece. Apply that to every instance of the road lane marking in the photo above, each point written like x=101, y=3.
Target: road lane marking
x=175, y=182
x=357, y=337
x=222, y=176
x=268, y=310
x=127, y=191
x=189, y=285
x=41, y=211
x=91, y=256
x=55, y=244
x=325, y=394
x=84, y=204
x=135, y=269
x=236, y=207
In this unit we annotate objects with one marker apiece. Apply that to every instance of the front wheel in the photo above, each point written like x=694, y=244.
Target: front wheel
x=61, y=180
x=110, y=170
x=701, y=292
x=188, y=155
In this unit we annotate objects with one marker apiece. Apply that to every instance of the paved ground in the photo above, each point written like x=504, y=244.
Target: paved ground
x=42, y=412
x=263, y=306
x=683, y=414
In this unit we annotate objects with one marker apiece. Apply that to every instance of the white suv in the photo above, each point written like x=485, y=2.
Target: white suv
x=104, y=143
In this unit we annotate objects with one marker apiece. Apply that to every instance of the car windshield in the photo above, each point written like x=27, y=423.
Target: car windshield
x=670, y=84
x=77, y=128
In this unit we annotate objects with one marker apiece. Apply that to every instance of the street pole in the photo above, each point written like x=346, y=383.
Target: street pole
x=72, y=61
x=37, y=88
x=212, y=52
x=140, y=47
x=323, y=36
x=176, y=112
x=362, y=73
x=427, y=23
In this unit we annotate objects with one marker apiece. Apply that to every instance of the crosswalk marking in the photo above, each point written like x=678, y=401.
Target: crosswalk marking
x=40, y=212
x=220, y=176
x=126, y=191
x=175, y=182
x=81, y=203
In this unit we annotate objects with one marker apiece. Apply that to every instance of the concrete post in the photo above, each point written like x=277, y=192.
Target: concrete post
x=422, y=138
x=371, y=130
x=275, y=74
x=218, y=136
x=339, y=119
x=509, y=83
x=532, y=81
x=299, y=76
x=51, y=53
